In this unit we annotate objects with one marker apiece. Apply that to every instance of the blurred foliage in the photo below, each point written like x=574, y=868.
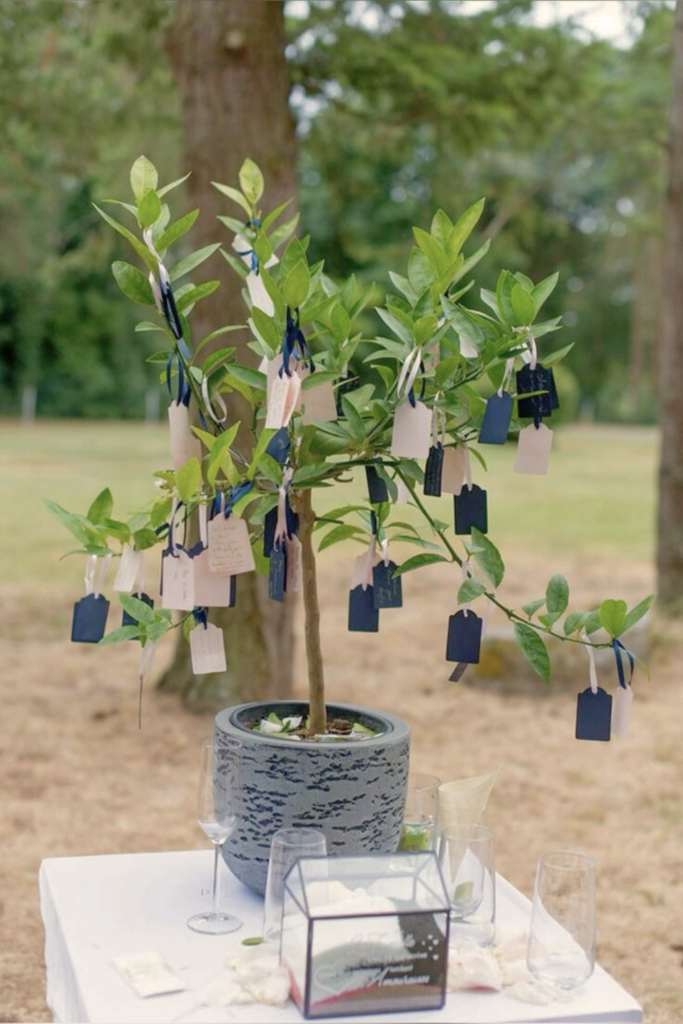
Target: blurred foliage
x=402, y=107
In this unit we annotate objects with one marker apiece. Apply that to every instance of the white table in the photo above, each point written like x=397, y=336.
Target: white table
x=95, y=908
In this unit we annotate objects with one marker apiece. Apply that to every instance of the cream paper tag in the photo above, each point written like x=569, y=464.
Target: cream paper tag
x=533, y=450
x=292, y=398
x=258, y=294
x=229, y=548
x=360, y=570
x=148, y=974
x=129, y=570
x=183, y=443
x=318, y=403
x=207, y=649
x=278, y=397
x=293, y=563
x=211, y=589
x=453, y=470
x=178, y=582
x=412, y=431
x=621, y=710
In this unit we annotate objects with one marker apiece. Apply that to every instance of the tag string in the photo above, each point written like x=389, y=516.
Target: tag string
x=218, y=399
x=294, y=344
x=438, y=428
x=201, y=616
x=220, y=504
x=369, y=563
x=281, y=531
x=534, y=351
x=94, y=583
x=506, y=376
x=203, y=515
x=618, y=647
x=408, y=374
x=464, y=574
x=183, y=392
x=466, y=467
x=171, y=527
x=592, y=672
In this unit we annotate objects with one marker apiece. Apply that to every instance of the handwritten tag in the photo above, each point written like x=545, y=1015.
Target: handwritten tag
x=363, y=616
x=278, y=446
x=387, y=589
x=207, y=649
x=183, y=442
x=464, y=638
x=452, y=470
x=471, y=510
x=593, y=715
x=293, y=556
x=318, y=403
x=538, y=379
x=229, y=547
x=130, y=567
x=211, y=589
x=621, y=711
x=277, y=573
x=278, y=396
x=128, y=620
x=258, y=294
x=89, y=619
x=533, y=449
x=377, y=488
x=177, y=581
x=433, y=471
x=148, y=974
x=412, y=431
x=496, y=422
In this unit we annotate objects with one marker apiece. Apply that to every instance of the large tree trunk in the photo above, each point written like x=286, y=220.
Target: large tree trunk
x=228, y=60
x=670, y=539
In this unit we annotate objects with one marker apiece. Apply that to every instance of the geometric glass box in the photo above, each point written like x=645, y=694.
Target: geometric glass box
x=366, y=934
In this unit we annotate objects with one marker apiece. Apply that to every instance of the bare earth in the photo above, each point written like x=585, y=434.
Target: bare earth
x=78, y=777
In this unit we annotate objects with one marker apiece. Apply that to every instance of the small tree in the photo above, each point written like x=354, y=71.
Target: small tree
x=326, y=400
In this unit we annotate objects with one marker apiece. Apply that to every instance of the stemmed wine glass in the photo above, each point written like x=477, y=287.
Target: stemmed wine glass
x=218, y=810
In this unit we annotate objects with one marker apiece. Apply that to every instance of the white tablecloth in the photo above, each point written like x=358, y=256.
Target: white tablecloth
x=96, y=908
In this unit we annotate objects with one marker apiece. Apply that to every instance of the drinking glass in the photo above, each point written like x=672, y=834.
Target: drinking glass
x=218, y=809
x=562, y=936
x=420, y=817
x=286, y=847
x=466, y=855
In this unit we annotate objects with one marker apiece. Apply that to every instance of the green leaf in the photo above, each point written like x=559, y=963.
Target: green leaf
x=192, y=260
x=188, y=478
x=592, y=622
x=141, y=249
x=543, y=289
x=339, y=533
x=636, y=613
x=417, y=561
x=118, y=530
x=557, y=595
x=174, y=184
x=533, y=649
x=296, y=284
x=187, y=299
x=149, y=209
x=283, y=231
x=488, y=558
x=522, y=305
x=464, y=227
x=574, y=622
x=176, y=230
x=531, y=607
x=101, y=507
x=132, y=283
x=353, y=418
x=143, y=177
x=144, y=539
x=255, y=940
x=274, y=214
x=137, y=609
x=612, y=615
x=235, y=195
x=247, y=374
x=84, y=532
x=122, y=633
x=469, y=590
x=251, y=181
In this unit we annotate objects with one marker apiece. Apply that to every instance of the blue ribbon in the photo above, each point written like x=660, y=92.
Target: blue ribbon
x=183, y=393
x=200, y=615
x=231, y=497
x=618, y=647
x=411, y=396
x=294, y=344
x=170, y=549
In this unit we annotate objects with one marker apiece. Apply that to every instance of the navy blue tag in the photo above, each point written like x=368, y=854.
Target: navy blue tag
x=270, y=525
x=377, y=489
x=127, y=619
x=233, y=591
x=593, y=715
x=277, y=573
x=470, y=510
x=496, y=422
x=388, y=591
x=433, y=472
x=554, y=397
x=458, y=672
x=90, y=619
x=539, y=379
x=464, y=638
x=363, y=616
x=278, y=446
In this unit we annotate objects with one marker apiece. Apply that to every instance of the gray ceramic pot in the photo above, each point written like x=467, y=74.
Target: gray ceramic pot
x=352, y=790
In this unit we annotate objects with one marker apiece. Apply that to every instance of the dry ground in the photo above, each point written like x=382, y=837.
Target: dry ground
x=78, y=778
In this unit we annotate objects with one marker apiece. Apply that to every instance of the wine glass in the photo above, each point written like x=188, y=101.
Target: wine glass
x=562, y=936
x=218, y=809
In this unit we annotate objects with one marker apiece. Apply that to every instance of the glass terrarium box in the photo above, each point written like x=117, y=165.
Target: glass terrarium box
x=366, y=934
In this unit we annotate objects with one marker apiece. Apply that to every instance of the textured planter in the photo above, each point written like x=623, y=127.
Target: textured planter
x=352, y=790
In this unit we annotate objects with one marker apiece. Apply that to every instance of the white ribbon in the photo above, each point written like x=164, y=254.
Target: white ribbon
x=592, y=673
x=93, y=584
x=466, y=467
x=203, y=515
x=533, y=350
x=506, y=376
x=139, y=581
x=156, y=292
x=218, y=399
x=281, y=524
x=384, y=546
x=438, y=427
x=145, y=659
x=409, y=371
x=171, y=523
x=369, y=564
x=465, y=574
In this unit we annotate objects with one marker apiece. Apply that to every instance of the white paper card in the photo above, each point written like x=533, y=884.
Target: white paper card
x=177, y=584
x=293, y=556
x=148, y=974
x=183, y=442
x=452, y=471
x=621, y=710
x=412, y=431
x=318, y=403
x=129, y=570
x=211, y=589
x=292, y=398
x=533, y=450
x=229, y=548
x=207, y=649
x=278, y=395
x=258, y=294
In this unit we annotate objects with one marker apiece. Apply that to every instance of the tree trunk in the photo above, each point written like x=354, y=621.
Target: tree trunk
x=670, y=524
x=228, y=60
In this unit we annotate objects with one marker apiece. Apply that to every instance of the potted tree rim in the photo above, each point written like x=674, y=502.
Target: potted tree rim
x=327, y=403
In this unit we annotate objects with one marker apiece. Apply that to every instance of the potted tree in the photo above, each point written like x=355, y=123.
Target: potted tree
x=327, y=403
